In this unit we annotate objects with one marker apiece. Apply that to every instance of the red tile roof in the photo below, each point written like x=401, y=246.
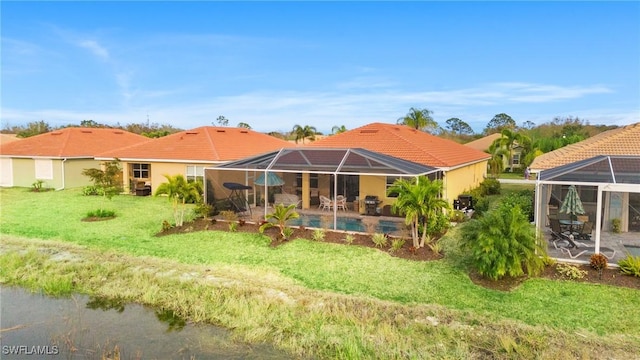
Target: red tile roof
x=621, y=141
x=405, y=143
x=207, y=143
x=71, y=142
x=483, y=143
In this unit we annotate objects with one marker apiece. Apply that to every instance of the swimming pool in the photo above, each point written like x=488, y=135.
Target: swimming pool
x=632, y=250
x=346, y=223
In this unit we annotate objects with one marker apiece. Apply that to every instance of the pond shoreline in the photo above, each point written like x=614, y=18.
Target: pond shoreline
x=261, y=306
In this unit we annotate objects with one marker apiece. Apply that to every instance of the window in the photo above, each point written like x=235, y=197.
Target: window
x=516, y=159
x=44, y=169
x=141, y=171
x=390, y=181
x=195, y=173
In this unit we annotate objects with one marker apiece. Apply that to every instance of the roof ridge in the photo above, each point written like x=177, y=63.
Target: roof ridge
x=65, y=142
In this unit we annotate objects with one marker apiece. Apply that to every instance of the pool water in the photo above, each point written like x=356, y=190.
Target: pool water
x=633, y=250
x=345, y=224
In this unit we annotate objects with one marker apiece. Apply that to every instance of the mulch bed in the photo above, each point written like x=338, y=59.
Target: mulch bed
x=610, y=276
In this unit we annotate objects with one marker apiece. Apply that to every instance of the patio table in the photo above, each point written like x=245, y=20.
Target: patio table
x=571, y=224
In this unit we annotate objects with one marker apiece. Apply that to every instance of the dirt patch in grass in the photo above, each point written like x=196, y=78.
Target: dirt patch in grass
x=610, y=276
x=97, y=218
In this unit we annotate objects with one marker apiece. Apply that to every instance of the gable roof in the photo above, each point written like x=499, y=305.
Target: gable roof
x=620, y=141
x=483, y=143
x=203, y=144
x=405, y=143
x=71, y=142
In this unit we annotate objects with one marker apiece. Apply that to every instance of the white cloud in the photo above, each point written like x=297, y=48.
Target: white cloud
x=95, y=48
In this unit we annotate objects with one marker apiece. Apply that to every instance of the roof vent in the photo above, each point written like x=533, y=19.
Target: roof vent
x=86, y=131
x=221, y=130
x=192, y=133
x=56, y=133
x=244, y=131
x=368, y=131
x=118, y=132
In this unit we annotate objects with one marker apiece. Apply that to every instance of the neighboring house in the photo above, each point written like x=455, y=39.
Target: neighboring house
x=7, y=138
x=604, y=169
x=621, y=141
x=59, y=157
x=484, y=143
x=462, y=168
x=188, y=153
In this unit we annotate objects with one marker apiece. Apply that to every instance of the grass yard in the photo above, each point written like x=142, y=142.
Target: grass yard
x=555, y=310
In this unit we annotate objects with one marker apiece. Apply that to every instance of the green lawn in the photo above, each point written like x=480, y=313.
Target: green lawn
x=367, y=273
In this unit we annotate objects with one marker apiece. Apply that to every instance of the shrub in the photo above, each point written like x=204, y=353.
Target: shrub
x=438, y=224
x=282, y=215
x=435, y=247
x=101, y=213
x=286, y=233
x=92, y=190
x=380, y=240
x=229, y=215
x=457, y=216
x=490, y=186
x=203, y=209
x=523, y=199
x=598, y=262
x=615, y=226
x=233, y=226
x=480, y=206
x=630, y=265
x=397, y=244
x=503, y=243
x=349, y=238
x=318, y=235
x=38, y=186
x=570, y=272
x=166, y=226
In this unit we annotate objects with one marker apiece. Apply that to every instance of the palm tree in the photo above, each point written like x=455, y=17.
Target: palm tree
x=508, y=139
x=302, y=133
x=419, y=120
x=496, y=163
x=281, y=214
x=178, y=189
x=338, y=129
x=419, y=200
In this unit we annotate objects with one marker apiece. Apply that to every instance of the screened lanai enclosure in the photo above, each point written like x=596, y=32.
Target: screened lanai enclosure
x=608, y=221
x=337, y=182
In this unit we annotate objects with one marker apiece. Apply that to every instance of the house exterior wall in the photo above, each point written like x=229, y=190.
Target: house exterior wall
x=460, y=180
x=73, y=171
x=24, y=172
x=157, y=171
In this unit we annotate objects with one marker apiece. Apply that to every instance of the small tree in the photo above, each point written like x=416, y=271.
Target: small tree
x=282, y=215
x=418, y=200
x=178, y=189
x=108, y=179
x=503, y=243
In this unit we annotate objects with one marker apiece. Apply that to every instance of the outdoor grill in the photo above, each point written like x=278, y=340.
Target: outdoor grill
x=371, y=203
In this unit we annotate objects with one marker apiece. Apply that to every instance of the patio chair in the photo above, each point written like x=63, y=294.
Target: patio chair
x=585, y=231
x=576, y=248
x=341, y=202
x=325, y=203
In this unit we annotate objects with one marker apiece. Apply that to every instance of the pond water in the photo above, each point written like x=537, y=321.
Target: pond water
x=34, y=326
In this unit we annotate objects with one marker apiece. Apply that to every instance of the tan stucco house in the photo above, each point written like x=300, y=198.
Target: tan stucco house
x=187, y=153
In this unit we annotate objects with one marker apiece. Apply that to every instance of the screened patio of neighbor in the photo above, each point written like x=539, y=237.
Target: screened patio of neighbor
x=608, y=220
x=327, y=181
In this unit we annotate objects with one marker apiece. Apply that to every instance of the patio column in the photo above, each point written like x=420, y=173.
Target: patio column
x=598, y=217
x=306, y=191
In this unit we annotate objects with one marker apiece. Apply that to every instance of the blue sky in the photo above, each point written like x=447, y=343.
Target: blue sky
x=276, y=64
